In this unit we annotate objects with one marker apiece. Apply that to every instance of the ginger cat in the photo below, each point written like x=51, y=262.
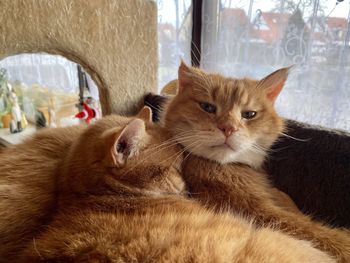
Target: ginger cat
x=122, y=199
x=28, y=185
x=227, y=127
x=28, y=191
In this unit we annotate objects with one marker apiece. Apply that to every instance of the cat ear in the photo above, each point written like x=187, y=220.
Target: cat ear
x=145, y=114
x=273, y=83
x=185, y=75
x=121, y=145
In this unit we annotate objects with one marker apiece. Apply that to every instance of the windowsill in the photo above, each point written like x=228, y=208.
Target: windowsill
x=7, y=138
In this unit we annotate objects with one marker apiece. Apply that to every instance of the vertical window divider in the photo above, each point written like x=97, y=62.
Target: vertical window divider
x=196, y=32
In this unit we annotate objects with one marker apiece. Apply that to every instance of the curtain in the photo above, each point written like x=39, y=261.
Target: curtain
x=254, y=37
x=174, y=37
x=52, y=71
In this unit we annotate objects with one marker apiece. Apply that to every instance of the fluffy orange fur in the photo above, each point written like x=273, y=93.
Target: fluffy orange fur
x=28, y=186
x=218, y=167
x=121, y=198
x=230, y=97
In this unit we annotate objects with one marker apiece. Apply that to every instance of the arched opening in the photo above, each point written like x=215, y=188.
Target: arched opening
x=40, y=90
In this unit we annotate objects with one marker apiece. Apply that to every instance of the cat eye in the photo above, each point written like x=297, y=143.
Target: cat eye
x=210, y=108
x=248, y=114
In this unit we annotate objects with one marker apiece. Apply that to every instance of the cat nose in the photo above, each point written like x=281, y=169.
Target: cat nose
x=227, y=129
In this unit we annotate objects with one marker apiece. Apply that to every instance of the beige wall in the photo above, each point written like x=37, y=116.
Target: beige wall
x=114, y=40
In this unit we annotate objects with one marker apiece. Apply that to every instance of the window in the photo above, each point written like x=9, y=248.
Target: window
x=174, y=37
x=42, y=90
x=254, y=37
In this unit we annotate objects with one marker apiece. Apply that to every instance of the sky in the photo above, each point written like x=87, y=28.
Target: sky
x=166, y=8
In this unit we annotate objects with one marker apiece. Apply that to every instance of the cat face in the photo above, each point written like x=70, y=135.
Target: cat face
x=128, y=153
x=225, y=119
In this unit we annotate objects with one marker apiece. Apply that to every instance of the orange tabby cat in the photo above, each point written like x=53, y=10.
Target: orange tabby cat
x=228, y=125
x=28, y=185
x=121, y=200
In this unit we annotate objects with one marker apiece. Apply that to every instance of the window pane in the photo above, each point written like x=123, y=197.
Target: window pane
x=174, y=37
x=255, y=37
x=41, y=90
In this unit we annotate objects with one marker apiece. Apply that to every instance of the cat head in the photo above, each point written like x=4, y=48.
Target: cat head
x=225, y=119
x=124, y=153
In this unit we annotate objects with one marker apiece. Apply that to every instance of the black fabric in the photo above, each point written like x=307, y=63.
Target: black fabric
x=313, y=168
x=155, y=102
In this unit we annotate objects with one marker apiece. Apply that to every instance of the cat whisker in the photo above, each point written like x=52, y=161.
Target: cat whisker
x=153, y=152
x=189, y=153
x=173, y=141
x=294, y=138
x=176, y=155
x=279, y=149
x=152, y=107
x=195, y=133
x=180, y=153
x=179, y=130
x=162, y=146
x=259, y=150
x=36, y=249
x=261, y=147
x=193, y=137
x=186, y=149
x=196, y=136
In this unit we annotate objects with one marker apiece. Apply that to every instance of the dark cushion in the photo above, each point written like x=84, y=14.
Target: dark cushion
x=313, y=168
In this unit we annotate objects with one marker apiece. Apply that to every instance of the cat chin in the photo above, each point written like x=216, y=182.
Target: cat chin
x=224, y=156
x=251, y=158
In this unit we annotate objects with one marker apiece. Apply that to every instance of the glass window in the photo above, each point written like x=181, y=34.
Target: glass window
x=174, y=37
x=42, y=90
x=254, y=37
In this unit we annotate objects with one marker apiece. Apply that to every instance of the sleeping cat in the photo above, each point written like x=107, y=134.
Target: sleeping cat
x=227, y=127
x=122, y=199
x=28, y=185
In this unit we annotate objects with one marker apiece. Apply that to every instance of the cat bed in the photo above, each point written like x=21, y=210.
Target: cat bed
x=311, y=165
x=115, y=42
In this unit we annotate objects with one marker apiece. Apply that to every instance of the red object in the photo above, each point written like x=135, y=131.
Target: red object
x=87, y=114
